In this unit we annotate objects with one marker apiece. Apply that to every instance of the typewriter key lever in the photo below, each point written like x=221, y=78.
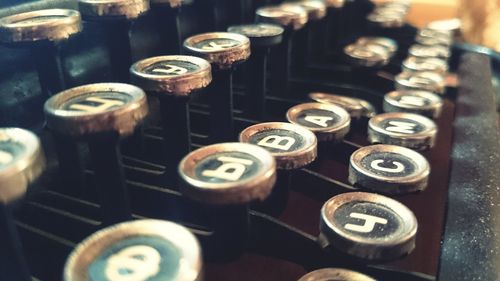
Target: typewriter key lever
x=292, y=146
x=21, y=162
x=223, y=50
x=137, y=250
x=291, y=18
x=388, y=169
x=225, y=178
x=173, y=79
x=166, y=14
x=101, y=114
x=367, y=226
x=115, y=17
x=262, y=38
x=43, y=32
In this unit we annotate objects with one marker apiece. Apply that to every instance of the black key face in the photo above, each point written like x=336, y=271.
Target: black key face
x=278, y=140
x=257, y=30
x=317, y=118
x=227, y=167
x=216, y=44
x=137, y=258
x=97, y=102
x=368, y=220
x=10, y=151
x=402, y=126
x=388, y=164
x=171, y=67
x=39, y=19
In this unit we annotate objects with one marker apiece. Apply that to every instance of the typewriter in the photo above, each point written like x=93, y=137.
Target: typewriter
x=224, y=140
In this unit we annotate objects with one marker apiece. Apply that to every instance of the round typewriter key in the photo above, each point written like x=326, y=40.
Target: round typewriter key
x=42, y=32
x=228, y=174
x=335, y=274
x=367, y=55
x=405, y=129
x=390, y=45
x=388, y=19
x=422, y=80
x=368, y=226
x=21, y=162
x=335, y=3
x=226, y=177
x=418, y=102
x=262, y=37
x=172, y=79
x=414, y=64
x=450, y=26
x=327, y=121
x=388, y=169
x=292, y=146
x=315, y=9
x=129, y=9
x=101, y=114
x=137, y=250
x=260, y=34
x=223, y=50
x=115, y=18
x=423, y=51
x=291, y=18
x=357, y=108
x=429, y=38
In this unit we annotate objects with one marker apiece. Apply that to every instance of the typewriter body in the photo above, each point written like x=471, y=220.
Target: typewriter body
x=244, y=140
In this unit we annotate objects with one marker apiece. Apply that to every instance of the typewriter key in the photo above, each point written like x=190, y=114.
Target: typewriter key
x=225, y=178
x=327, y=121
x=386, y=19
x=262, y=37
x=291, y=18
x=101, y=114
x=388, y=169
x=21, y=162
x=137, y=250
x=228, y=174
x=414, y=64
x=418, y=102
x=291, y=145
x=421, y=80
x=405, y=129
x=42, y=31
x=223, y=50
x=316, y=10
x=357, y=108
x=390, y=45
x=335, y=3
x=450, y=26
x=172, y=79
x=368, y=226
x=336, y=274
x=429, y=38
x=115, y=17
x=423, y=51
x=367, y=55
